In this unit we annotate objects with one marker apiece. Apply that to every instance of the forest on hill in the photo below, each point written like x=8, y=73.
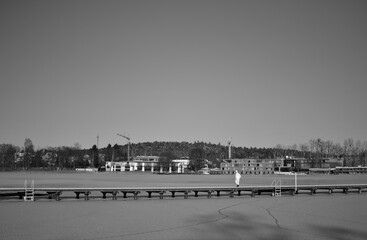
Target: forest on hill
x=27, y=157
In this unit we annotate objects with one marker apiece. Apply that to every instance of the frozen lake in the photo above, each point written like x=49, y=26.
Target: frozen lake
x=321, y=216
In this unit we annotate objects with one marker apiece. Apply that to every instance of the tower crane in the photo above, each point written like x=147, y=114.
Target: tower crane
x=128, y=145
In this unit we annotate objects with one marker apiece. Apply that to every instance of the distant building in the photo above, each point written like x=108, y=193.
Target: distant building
x=350, y=170
x=149, y=164
x=250, y=166
x=139, y=163
x=146, y=159
x=304, y=164
x=180, y=164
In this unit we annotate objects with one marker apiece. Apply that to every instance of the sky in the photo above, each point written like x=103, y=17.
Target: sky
x=259, y=72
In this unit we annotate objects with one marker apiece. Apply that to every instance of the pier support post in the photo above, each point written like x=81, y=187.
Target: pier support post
x=77, y=195
x=231, y=194
x=253, y=192
x=209, y=194
x=186, y=196
x=161, y=194
x=55, y=195
x=114, y=195
x=86, y=195
x=21, y=195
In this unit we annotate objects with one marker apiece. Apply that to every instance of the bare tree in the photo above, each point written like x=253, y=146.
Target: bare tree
x=358, y=150
x=348, y=151
x=327, y=147
x=304, y=148
x=28, y=153
x=364, y=146
x=336, y=150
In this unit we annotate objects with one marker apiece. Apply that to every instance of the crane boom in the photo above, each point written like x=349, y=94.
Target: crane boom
x=123, y=136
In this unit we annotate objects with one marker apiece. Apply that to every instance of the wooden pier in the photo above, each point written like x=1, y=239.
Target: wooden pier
x=185, y=192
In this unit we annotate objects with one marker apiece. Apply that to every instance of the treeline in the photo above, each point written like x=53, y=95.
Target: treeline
x=27, y=157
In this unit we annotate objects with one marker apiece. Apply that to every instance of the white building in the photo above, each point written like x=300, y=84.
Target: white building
x=148, y=163
x=181, y=164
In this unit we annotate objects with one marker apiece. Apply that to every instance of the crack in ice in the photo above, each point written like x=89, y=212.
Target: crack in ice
x=219, y=211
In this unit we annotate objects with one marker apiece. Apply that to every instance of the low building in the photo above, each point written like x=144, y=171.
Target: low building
x=305, y=164
x=180, y=165
x=149, y=164
x=249, y=166
x=288, y=164
x=350, y=170
x=320, y=170
x=339, y=170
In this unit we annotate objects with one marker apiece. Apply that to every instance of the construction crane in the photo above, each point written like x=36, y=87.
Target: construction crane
x=128, y=145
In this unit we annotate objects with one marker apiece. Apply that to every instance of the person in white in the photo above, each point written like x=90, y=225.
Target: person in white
x=237, y=178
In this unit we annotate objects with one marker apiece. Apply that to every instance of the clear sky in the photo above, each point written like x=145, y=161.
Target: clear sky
x=261, y=72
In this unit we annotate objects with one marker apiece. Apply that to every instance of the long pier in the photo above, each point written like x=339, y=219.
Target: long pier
x=186, y=192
